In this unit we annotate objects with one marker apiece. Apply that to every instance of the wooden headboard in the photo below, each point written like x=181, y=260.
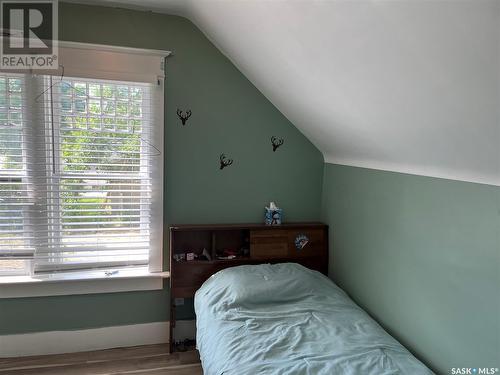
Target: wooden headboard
x=303, y=243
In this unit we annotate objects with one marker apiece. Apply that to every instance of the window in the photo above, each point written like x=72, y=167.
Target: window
x=80, y=173
x=99, y=175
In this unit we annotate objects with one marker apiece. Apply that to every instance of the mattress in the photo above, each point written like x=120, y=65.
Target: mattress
x=286, y=319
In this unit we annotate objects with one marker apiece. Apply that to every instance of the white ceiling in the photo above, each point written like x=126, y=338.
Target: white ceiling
x=410, y=85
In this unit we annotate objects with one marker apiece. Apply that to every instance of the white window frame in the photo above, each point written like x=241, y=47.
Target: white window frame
x=25, y=271
x=105, y=280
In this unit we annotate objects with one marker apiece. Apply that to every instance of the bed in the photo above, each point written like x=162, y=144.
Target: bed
x=286, y=319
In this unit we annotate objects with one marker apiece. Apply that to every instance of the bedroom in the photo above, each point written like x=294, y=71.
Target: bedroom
x=388, y=111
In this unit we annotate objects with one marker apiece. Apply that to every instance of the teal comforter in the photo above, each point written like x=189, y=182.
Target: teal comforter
x=287, y=319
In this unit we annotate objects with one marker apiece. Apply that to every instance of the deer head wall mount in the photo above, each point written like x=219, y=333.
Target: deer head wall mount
x=225, y=162
x=183, y=116
x=276, y=142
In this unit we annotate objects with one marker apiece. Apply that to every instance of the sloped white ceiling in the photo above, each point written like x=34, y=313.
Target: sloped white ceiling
x=410, y=86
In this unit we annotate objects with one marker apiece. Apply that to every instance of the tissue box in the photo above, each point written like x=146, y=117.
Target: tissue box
x=273, y=216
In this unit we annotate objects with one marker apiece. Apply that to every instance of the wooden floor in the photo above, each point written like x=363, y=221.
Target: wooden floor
x=141, y=360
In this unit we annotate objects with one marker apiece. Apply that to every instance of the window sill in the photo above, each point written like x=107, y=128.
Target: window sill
x=81, y=282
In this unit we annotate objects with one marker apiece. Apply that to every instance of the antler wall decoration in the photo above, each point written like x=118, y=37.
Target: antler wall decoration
x=183, y=116
x=225, y=162
x=276, y=142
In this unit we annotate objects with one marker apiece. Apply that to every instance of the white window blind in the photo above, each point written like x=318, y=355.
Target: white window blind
x=81, y=172
x=99, y=180
x=16, y=195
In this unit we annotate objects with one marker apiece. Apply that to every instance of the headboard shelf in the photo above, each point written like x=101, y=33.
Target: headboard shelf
x=303, y=243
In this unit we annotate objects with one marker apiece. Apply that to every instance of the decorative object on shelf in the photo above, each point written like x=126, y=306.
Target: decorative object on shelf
x=183, y=116
x=227, y=254
x=227, y=257
x=179, y=257
x=190, y=256
x=273, y=215
x=245, y=252
x=205, y=255
x=301, y=241
x=225, y=162
x=276, y=142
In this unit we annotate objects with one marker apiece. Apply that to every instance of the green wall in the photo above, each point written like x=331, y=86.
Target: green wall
x=229, y=115
x=422, y=256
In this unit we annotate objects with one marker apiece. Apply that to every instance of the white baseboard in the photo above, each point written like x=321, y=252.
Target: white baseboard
x=58, y=342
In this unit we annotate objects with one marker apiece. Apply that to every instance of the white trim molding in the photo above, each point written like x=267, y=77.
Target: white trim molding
x=81, y=282
x=419, y=171
x=112, y=48
x=59, y=342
